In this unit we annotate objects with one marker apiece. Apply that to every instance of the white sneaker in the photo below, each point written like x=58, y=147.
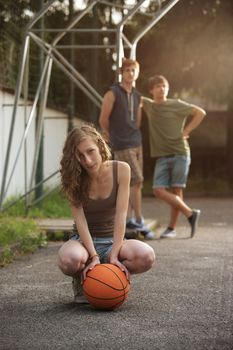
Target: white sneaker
x=168, y=233
x=149, y=235
x=79, y=297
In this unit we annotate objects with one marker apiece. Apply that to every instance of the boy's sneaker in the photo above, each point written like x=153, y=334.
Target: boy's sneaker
x=141, y=228
x=168, y=233
x=149, y=235
x=133, y=225
x=79, y=297
x=138, y=226
x=193, y=220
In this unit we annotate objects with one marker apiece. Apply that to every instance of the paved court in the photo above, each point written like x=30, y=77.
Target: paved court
x=184, y=302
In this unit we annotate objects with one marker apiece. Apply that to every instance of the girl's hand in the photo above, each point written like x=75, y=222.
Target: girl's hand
x=121, y=266
x=94, y=261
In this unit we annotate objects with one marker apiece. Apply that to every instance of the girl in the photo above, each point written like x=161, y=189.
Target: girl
x=97, y=189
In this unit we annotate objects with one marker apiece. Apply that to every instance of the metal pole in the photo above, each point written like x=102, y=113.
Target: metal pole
x=17, y=96
x=71, y=111
x=39, y=121
x=71, y=72
x=119, y=45
x=160, y=14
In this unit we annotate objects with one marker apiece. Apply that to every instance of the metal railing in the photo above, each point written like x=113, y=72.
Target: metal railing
x=53, y=56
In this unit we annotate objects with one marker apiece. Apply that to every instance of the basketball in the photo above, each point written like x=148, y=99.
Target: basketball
x=106, y=287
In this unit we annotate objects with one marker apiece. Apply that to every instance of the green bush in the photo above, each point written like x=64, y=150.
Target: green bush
x=54, y=205
x=18, y=236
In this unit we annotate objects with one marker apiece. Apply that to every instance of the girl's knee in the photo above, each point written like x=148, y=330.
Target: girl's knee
x=149, y=259
x=70, y=266
x=145, y=260
x=66, y=265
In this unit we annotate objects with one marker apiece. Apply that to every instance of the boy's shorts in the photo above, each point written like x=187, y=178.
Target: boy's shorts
x=132, y=156
x=171, y=171
x=103, y=246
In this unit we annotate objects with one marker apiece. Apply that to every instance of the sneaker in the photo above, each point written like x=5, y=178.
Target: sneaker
x=149, y=235
x=138, y=226
x=79, y=297
x=133, y=225
x=168, y=233
x=193, y=220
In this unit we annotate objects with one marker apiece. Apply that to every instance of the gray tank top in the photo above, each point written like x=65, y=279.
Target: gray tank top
x=100, y=213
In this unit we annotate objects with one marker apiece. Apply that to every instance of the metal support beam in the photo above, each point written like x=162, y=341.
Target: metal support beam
x=53, y=55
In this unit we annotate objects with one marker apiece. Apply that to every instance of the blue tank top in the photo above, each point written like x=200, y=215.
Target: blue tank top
x=123, y=129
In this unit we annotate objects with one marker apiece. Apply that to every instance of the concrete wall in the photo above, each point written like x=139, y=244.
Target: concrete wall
x=55, y=131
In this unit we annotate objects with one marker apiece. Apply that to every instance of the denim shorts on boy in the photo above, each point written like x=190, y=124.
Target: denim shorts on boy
x=171, y=171
x=103, y=246
x=132, y=156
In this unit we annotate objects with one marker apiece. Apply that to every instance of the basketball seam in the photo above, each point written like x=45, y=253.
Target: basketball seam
x=108, y=285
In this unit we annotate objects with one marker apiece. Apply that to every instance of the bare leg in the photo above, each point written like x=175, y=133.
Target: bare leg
x=174, y=200
x=137, y=256
x=175, y=213
x=130, y=211
x=72, y=258
x=136, y=200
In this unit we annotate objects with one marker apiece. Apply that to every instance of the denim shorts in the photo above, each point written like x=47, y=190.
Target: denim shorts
x=103, y=246
x=171, y=171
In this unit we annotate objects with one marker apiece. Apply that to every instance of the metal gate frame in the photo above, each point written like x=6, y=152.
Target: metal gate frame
x=51, y=51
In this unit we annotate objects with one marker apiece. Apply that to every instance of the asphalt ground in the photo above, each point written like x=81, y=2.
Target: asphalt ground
x=184, y=302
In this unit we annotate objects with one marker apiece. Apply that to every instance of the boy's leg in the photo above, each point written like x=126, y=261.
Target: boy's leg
x=133, y=156
x=136, y=200
x=173, y=200
x=174, y=212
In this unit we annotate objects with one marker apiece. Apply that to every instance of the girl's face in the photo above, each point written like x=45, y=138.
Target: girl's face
x=89, y=155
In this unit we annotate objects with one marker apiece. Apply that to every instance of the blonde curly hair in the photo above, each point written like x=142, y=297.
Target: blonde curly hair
x=75, y=181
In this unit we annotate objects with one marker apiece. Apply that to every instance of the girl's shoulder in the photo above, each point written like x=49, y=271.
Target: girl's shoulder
x=120, y=166
x=123, y=169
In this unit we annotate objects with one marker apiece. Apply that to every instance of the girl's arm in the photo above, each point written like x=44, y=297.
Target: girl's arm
x=121, y=212
x=85, y=236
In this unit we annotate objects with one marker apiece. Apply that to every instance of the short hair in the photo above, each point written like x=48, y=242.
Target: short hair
x=126, y=62
x=155, y=80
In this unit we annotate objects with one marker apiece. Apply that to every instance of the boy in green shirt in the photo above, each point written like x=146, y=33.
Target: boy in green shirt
x=168, y=143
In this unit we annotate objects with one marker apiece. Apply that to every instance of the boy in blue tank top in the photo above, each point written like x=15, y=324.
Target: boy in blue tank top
x=120, y=118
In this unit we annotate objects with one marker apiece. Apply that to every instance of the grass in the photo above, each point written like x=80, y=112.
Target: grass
x=52, y=206
x=18, y=236
x=19, y=233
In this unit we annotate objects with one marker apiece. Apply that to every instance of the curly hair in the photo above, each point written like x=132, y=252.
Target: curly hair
x=75, y=182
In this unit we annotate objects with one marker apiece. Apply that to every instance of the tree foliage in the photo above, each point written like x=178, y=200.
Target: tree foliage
x=192, y=45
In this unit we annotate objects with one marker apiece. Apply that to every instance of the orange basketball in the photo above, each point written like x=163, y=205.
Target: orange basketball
x=106, y=287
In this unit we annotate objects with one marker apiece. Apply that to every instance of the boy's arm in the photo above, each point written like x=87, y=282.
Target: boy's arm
x=106, y=109
x=197, y=116
x=139, y=114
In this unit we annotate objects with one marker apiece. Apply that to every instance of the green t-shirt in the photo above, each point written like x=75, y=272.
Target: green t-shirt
x=166, y=123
